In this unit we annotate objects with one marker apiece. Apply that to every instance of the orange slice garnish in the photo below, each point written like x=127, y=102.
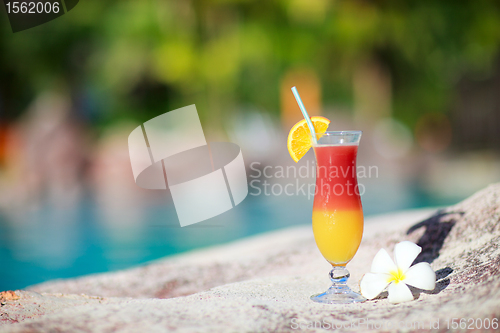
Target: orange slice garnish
x=299, y=138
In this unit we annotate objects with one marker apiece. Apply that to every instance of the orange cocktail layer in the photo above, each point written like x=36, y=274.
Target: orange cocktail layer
x=337, y=212
x=338, y=234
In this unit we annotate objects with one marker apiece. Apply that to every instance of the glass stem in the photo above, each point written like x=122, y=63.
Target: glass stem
x=339, y=276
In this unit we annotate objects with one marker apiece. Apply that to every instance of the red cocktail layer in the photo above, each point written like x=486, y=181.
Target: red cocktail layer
x=336, y=181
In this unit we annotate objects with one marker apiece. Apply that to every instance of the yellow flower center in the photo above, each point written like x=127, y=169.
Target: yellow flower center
x=396, y=276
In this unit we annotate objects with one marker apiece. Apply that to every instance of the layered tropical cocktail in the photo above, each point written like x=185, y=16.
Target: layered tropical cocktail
x=337, y=218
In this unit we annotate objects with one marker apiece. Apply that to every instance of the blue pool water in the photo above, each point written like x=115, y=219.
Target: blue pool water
x=45, y=243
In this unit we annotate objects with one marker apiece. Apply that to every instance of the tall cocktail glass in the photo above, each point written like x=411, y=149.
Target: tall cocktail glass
x=337, y=218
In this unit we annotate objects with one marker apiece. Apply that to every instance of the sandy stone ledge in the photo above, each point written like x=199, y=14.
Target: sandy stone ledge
x=263, y=283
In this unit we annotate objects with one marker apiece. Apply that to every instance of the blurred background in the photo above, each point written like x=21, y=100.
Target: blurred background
x=420, y=78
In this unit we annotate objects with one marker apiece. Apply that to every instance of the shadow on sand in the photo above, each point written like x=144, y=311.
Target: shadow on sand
x=437, y=228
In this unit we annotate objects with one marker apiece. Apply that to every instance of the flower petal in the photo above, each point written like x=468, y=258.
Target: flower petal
x=405, y=253
x=421, y=276
x=372, y=284
x=399, y=293
x=382, y=263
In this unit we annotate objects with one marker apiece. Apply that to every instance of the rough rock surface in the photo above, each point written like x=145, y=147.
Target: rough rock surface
x=263, y=283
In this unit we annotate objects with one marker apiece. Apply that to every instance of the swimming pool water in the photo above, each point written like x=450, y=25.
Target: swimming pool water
x=45, y=243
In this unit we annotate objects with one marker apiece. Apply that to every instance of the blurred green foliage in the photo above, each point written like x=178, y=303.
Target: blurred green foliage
x=137, y=59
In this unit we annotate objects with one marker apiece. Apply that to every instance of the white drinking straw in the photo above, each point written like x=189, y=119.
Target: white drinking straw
x=304, y=113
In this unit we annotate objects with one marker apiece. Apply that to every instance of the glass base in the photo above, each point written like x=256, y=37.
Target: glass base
x=339, y=292
x=334, y=297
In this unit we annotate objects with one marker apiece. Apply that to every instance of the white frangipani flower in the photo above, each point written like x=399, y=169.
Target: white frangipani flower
x=397, y=275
